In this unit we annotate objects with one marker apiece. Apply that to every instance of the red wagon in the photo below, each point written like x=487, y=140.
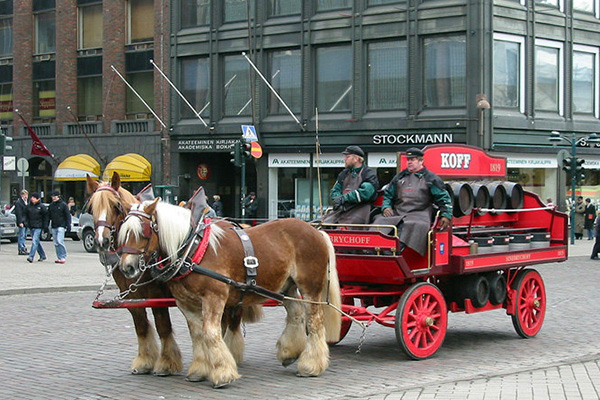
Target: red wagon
x=413, y=294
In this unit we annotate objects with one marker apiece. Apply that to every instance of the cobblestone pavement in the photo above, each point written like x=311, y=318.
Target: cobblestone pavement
x=55, y=346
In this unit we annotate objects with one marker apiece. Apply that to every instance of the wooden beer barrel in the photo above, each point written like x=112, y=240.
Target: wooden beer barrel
x=514, y=194
x=482, y=196
x=498, y=198
x=462, y=197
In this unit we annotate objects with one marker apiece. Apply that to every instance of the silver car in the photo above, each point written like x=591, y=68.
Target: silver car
x=86, y=230
x=8, y=227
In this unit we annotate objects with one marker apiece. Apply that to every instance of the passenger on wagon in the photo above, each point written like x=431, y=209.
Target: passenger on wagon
x=354, y=191
x=408, y=203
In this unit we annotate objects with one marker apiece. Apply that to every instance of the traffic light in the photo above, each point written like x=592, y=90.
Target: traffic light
x=567, y=164
x=579, y=170
x=237, y=154
x=246, y=151
x=5, y=144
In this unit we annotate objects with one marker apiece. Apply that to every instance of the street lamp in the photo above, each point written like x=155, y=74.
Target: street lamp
x=572, y=165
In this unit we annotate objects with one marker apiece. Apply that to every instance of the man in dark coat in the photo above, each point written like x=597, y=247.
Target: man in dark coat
x=36, y=217
x=251, y=207
x=60, y=219
x=408, y=202
x=218, y=205
x=354, y=190
x=590, y=218
x=20, y=214
x=596, y=248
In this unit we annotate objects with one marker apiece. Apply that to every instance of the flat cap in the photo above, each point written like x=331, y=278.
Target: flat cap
x=55, y=193
x=414, y=152
x=35, y=195
x=354, y=150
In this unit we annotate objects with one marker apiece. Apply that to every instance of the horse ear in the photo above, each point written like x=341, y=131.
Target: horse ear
x=92, y=185
x=115, y=181
x=151, y=208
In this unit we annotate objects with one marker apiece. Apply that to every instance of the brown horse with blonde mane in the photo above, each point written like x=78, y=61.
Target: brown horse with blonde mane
x=294, y=258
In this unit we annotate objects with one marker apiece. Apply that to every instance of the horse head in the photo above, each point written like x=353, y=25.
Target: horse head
x=109, y=205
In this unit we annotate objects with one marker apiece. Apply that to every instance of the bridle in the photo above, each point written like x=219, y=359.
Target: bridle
x=120, y=213
x=149, y=228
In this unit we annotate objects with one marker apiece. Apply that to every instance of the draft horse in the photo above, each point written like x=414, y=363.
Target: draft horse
x=293, y=258
x=109, y=204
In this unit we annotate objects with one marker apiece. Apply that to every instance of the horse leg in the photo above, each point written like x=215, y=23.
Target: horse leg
x=147, y=347
x=169, y=361
x=315, y=357
x=233, y=335
x=293, y=338
x=198, y=370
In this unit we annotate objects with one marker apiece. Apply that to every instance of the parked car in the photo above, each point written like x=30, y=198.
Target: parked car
x=86, y=231
x=8, y=226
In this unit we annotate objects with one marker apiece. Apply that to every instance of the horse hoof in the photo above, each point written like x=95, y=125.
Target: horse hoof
x=221, y=385
x=137, y=371
x=195, y=378
x=161, y=373
x=288, y=361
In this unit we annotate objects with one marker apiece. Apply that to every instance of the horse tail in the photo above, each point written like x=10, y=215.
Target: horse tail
x=331, y=292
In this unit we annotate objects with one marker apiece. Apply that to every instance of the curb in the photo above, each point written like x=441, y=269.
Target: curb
x=58, y=289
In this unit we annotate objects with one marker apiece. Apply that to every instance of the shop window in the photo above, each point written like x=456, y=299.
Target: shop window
x=141, y=21
x=334, y=78
x=236, y=96
x=284, y=7
x=548, y=92
x=585, y=80
x=90, y=26
x=387, y=76
x=45, y=32
x=6, y=101
x=143, y=83
x=285, y=72
x=6, y=37
x=445, y=71
x=44, y=98
x=194, y=13
x=326, y=5
x=237, y=10
x=195, y=86
x=89, y=96
x=509, y=71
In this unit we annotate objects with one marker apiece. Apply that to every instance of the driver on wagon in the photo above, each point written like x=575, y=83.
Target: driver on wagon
x=408, y=203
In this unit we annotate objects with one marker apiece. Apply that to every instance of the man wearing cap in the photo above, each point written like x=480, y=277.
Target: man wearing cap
x=251, y=206
x=408, y=202
x=36, y=219
x=354, y=191
x=60, y=219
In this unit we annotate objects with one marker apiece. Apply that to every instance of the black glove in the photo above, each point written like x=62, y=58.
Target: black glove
x=338, y=202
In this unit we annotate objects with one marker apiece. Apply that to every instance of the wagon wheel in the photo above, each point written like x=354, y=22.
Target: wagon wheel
x=530, y=303
x=345, y=324
x=421, y=321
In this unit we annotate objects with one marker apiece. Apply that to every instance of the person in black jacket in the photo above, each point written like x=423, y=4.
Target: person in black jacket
x=20, y=214
x=218, y=205
x=60, y=219
x=36, y=217
x=596, y=247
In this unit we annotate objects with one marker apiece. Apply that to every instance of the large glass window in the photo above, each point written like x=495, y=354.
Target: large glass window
x=445, y=71
x=326, y=5
x=334, y=78
x=195, y=86
x=90, y=26
x=284, y=7
x=509, y=68
x=6, y=101
x=550, y=3
x=379, y=2
x=6, y=37
x=45, y=32
x=588, y=6
x=585, y=79
x=141, y=21
x=285, y=72
x=236, y=95
x=44, y=98
x=387, y=70
x=237, y=10
x=89, y=96
x=194, y=13
x=548, y=76
x=143, y=83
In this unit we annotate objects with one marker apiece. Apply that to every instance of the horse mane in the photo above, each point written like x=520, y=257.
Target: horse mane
x=104, y=200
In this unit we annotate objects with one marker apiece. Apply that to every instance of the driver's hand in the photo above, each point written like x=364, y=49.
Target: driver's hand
x=388, y=212
x=444, y=223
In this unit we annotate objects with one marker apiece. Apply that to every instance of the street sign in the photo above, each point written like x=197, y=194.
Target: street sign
x=22, y=164
x=19, y=173
x=249, y=133
x=256, y=150
x=8, y=163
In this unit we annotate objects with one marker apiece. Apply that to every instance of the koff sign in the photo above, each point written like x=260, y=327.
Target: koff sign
x=455, y=160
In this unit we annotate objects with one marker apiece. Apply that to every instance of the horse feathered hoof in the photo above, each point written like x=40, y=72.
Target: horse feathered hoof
x=161, y=373
x=288, y=361
x=141, y=371
x=195, y=378
x=221, y=385
x=298, y=374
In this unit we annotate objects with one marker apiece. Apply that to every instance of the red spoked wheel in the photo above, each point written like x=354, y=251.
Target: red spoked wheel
x=421, y=321
x=345, y=324
x=530, y=303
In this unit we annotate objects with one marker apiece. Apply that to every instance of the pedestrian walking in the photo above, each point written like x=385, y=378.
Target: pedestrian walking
x=20, y=206
x=590, y=218
x=579, y=218
x=36, y=217
x=596, y=247
x=218, y=205
x=60, y=221
x=251, y=206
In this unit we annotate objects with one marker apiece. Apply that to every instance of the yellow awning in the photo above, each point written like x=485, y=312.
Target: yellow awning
x=131, y=167
x=75, y=168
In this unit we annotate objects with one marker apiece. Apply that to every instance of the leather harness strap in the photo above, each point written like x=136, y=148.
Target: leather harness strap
x=250, y=260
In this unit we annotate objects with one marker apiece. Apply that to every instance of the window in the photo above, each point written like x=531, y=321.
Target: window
x=387, y=70
x=585, y=80
x=195, y=86
x=194, y=13
x=445, y=71
x=44, y=98
x=45, y=32
x=326, y=5
x=285, y=75
x=509, y=71
x=284, y=7
x=550, y=4
x=548, y=91
x=236, y=95
x=380, y=2
x=237, y=10
x=90, y=26
x=584, y=5
x=89, y=95
x=6, y=37
x=6, y=101
x=141, y=21
x=334, y=78
x=143, y=83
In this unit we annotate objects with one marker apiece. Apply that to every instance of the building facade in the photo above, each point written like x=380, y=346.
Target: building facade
x=385, y=75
